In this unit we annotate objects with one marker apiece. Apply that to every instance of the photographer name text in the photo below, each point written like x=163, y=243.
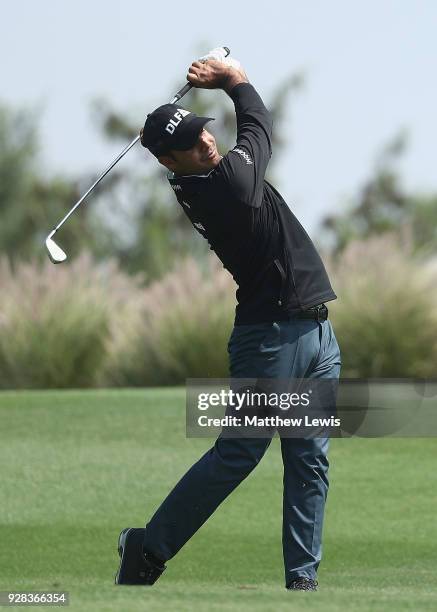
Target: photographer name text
x=270, y=421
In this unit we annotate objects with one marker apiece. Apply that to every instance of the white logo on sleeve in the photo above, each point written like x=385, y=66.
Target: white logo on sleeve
x=176, y=187
x=244, y=155
x=199, y=227
x=178, y=116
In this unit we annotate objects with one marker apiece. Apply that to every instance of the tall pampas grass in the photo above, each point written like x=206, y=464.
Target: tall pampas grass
x=186, y=320
x=385, y=319
x=56, y=322
x=83, y=324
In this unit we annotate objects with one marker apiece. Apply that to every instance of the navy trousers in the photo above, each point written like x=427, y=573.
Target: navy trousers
x=298, y=348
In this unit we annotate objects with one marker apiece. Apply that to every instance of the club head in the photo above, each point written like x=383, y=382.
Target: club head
x=56, y=254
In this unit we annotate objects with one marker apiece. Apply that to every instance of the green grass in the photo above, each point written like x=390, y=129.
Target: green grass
x=77, y=467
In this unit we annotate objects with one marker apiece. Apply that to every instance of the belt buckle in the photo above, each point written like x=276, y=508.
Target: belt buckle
x=321, y=309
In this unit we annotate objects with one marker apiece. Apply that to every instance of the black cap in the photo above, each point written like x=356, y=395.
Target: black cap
x=171, y=127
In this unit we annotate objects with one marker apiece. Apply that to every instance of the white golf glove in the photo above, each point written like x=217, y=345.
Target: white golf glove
x=219, y=54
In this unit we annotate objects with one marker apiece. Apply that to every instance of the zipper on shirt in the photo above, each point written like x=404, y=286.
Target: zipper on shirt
x=283, y=279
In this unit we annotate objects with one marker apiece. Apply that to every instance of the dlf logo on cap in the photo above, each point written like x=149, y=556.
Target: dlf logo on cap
x=179, y=115
x=171, y=127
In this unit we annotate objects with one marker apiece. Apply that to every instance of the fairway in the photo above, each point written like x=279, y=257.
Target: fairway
x=78, y=466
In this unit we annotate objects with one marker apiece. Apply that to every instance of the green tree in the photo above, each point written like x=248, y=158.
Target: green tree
x=30, y=203
x=383, y=205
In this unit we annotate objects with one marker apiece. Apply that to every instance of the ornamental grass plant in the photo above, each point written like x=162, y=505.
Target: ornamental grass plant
x=56, y=321
x=385, y=319
x=186, y=320
x=85, y=324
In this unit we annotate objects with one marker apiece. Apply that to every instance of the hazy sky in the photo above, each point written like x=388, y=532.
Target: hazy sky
x=371, y=69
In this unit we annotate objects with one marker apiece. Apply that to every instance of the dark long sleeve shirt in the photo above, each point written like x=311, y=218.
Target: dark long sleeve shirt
x=250, y=227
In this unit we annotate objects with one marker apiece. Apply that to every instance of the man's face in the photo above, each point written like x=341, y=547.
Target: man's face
x=198, y=160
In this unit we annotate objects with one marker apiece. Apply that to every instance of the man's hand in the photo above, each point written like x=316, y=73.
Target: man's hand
x=212, y=74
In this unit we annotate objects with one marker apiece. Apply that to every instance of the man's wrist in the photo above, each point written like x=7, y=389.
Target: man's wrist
x=233, y=79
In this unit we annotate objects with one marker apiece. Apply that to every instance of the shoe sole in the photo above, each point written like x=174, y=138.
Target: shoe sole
x=121, y=548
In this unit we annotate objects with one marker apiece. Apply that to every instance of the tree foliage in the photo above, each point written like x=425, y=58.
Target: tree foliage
x=383, y=204
x=30, y=202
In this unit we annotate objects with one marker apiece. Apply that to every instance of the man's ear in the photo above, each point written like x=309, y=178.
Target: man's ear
x=168, y=162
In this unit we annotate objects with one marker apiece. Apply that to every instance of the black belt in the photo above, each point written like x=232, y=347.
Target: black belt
x=317, y=313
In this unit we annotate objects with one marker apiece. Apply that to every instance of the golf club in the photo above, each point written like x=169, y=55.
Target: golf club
x=56, y=254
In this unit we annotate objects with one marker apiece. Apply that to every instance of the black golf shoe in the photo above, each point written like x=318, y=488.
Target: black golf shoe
x=135, y=566
x=303, y=584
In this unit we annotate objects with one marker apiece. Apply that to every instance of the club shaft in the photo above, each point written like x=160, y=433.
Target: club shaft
x=180, y=94
x=185, y=89
x=104, y=173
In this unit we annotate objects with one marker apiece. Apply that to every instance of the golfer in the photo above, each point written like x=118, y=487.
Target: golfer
x=281, y=326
